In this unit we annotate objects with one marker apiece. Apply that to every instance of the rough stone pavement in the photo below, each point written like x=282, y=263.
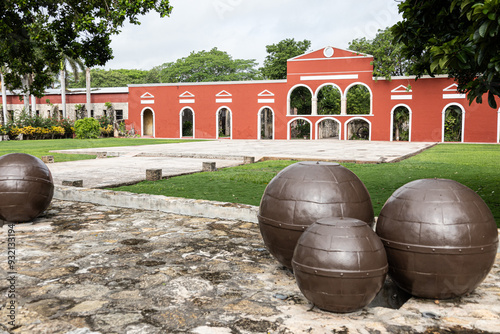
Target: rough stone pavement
x=88, y=269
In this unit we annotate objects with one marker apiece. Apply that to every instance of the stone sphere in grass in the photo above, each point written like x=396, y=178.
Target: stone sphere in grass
x=26, y=187
x=303, y=193
x=440, y=237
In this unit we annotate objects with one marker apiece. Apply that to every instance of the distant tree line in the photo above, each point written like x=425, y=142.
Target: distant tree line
x=217, y=65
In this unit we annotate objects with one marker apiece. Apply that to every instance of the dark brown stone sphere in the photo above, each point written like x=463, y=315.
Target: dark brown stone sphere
x=26, y=187
x=303, y=193
x=441, y=238
x=340, y=264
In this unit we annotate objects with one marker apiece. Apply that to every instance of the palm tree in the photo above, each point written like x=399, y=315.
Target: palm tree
x=4, y=97
x=75, y=65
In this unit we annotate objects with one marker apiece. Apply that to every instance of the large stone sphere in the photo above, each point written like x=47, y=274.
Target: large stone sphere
x=441, y=238
x=340, y=264
x=303, y=193
x=26, y=187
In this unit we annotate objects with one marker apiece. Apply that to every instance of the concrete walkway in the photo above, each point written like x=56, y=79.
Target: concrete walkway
x=174, y=159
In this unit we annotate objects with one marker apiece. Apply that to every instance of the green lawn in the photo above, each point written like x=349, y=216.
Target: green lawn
x=39, y=148
x=476, y=166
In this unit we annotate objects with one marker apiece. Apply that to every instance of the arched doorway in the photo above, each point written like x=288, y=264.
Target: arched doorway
x=358, y=99
x=266, y=123
x=328, y=128
x=453, y=123
x=401, y=123
x=300, y=101
x=148, y=121
x=187, y=122
x=329, y=100
x=299, y=128
x=358, y=129
x=224, y=124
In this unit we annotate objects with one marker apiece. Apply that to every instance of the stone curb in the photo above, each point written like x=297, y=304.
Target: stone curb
x=183, y=206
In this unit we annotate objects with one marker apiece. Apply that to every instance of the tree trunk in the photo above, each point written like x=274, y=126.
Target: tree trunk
x=4, y=101
x=87, y=83
x=63, y=92
x=33, y=105
x=26, y=96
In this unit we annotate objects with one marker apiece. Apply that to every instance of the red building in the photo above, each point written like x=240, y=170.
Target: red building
x=363, y=107
x=430, y=108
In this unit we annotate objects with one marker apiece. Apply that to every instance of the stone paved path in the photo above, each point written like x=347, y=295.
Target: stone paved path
x=180, y=158
x=89, y=269
x=354, y=150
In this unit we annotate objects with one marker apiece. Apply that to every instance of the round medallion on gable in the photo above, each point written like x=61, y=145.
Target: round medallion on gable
x=328, y=52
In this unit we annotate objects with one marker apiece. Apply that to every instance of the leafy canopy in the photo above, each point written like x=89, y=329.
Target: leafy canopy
x=112, y=78
x=458, y=37
x=275, y=64
x=205, y=66
x=35, y=33
x=388, y=58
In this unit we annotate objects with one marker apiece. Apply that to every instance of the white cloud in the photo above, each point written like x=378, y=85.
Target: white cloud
x=243, y=28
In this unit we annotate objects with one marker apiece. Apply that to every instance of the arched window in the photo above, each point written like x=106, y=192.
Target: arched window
x=358, y=99
x=329, y=100
x=453, y=123
x=266, y=123
x=187, y=122
x=299, y=128
x=147, y=122
x=300, y=101
x=358, y=129
x=401, y=124
x=328, y=128
x=224, y=124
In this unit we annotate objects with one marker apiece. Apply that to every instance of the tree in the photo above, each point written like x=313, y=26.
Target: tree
x=75, y=65
x=388, y=57
x=113, y=78
x=358, y=100
x=275, y=64
x=458, y=37
x=34, y=34
x=203, y=66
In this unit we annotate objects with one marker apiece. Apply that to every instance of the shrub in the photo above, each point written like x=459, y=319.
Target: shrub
x=107, y=131
x=87, y=128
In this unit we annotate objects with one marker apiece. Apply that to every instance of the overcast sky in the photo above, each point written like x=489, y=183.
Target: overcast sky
x=243, y=28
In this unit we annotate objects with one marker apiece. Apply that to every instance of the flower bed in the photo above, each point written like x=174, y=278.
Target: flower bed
x=35, y=127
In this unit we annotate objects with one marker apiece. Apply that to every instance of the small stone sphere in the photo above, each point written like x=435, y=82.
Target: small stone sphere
x=26, y=187
x=440, y=237
x=301, y=194
x=340, y=264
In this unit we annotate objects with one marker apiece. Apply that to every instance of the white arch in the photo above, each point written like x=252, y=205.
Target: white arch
x=217, y=121
x=180, y=121
x=369, y=90
x=154, y=121
x=346, y=124
x=325, y=118
x=443, y=113
x=289, y=97
x=294, y=119
x=410, y=121
x=328, y=84
x=315, y=97
x=259, y=122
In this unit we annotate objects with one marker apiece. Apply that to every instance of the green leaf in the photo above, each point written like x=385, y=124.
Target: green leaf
x=491, y=100
x=484, y=28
